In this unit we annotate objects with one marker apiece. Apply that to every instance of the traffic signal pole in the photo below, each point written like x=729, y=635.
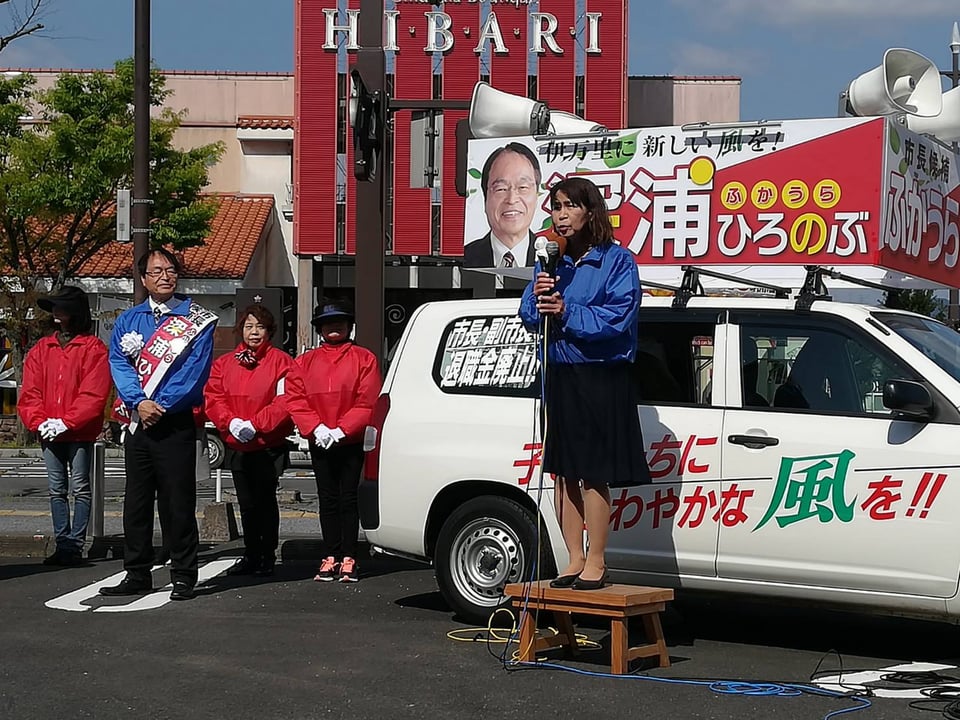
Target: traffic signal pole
x=370, y=200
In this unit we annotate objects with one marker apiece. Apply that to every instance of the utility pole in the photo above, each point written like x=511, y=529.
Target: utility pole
x=370, y=200
x=140, y=204
x=953, y=309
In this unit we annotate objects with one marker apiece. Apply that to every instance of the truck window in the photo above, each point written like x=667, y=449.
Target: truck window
x=674, y=362
x=797, y=366
x=487, y=355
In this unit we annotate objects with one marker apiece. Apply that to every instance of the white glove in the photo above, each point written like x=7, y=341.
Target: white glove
x=323, y=436
x=242, y=430
x=338, y=434
x=52, y=428
x=246, y=431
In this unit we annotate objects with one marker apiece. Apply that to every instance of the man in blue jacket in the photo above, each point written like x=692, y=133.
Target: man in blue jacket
x=160, y=356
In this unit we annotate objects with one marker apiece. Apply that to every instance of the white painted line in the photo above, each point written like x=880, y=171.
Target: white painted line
x=74, y=601
x=161, y=597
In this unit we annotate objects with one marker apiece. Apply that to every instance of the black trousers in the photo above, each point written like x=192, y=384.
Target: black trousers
x=255, y=477
x=160, y=463
x=337, y=472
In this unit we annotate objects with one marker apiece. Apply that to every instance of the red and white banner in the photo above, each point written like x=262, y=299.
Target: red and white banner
x=833, y=192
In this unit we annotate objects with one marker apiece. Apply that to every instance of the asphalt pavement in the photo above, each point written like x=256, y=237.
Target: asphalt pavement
x=388, y=647
x=290, y=648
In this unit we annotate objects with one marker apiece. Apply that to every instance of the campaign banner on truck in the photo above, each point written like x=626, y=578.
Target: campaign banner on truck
x=796, y=192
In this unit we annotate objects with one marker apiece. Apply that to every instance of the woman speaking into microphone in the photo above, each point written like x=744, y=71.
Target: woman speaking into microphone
x=592, y=437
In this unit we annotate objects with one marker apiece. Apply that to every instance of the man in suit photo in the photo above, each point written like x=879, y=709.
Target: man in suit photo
x=510, y=182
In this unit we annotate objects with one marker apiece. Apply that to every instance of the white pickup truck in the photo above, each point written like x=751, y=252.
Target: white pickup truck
x=800, y=449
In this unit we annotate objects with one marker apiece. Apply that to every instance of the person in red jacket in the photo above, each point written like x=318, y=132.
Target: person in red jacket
x=240, y=399
x=66, y=381
x=331, y=397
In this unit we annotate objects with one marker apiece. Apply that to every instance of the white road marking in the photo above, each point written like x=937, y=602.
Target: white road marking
x=74, y=601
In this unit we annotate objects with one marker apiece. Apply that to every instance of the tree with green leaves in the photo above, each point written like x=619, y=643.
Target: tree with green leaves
x=64, y=153
x=922, y=302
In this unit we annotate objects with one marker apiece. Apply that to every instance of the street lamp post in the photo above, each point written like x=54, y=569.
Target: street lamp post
x=954, y=75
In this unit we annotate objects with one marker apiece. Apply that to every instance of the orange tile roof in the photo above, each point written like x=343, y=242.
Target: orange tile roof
x=265, y=122
x=234, y=233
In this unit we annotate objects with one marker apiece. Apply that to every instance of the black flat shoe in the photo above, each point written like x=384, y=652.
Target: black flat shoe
x=245, y=566
x=581, y=584
x=564, y=581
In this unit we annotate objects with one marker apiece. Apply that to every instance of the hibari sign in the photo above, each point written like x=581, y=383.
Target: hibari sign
x=441, y=35
x=844, y=191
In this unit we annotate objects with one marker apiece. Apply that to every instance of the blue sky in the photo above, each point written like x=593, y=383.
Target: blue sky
x=794, y=55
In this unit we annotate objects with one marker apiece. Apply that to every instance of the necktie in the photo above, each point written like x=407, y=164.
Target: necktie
x=508, y=260
x=157, y=313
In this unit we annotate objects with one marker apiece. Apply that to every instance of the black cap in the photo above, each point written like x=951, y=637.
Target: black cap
x=69, y=298
x=332, y=310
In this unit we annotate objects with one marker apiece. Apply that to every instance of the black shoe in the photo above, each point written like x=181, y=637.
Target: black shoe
x=182, y=590
x=128, y=586
x=245, y=566
x=581, y=584
x=64, y=558
x=264, y=570
x=564, y=581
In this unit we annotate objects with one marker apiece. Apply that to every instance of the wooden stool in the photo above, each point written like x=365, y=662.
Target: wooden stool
x=618, y=602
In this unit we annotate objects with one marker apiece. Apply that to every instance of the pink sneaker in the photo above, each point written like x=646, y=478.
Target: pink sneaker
x=327, y=571
x=348, y=571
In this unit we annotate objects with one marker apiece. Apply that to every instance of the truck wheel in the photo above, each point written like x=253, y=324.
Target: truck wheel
x=486, y=544
x=216, y=450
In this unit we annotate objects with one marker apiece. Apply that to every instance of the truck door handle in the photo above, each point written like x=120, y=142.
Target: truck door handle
x=754, y=442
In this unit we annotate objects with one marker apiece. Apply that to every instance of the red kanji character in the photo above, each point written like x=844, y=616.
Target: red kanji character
x=620, y=504
x=879, y=503
x=692, y=466
x=698, y=502
x=531, y=462
x=664, y=505
x=662, y=454
x=731, y=516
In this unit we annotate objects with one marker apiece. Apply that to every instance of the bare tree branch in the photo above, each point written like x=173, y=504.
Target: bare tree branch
x=25, y=22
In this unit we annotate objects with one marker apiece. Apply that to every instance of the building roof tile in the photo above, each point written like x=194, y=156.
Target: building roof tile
x=235, y=231
x=265, y=122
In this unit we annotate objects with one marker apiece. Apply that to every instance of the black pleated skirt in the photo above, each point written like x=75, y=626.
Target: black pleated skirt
x=592, y=425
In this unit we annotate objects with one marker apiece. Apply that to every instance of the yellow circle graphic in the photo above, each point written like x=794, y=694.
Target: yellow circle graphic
x=826, y=193
x=764, y=195
x=795, y=194
x=702, y=171
x=802, y=232
x=733, y=196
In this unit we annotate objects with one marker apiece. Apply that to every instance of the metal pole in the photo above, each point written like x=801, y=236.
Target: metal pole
x=97, y=489
x=140, y=210
x=219, y=485
x=371, y=227
x=953, y=303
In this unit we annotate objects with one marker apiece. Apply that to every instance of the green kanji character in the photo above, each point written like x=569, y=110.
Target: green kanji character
x=811, y=487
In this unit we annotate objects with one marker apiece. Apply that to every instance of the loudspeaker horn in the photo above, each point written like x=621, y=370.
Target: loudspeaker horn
x=494, y=113
x=905, y=82
x=946, y=125
x=564, y=123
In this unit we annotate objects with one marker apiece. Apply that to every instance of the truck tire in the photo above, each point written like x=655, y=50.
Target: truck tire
x=216, y=449
x=485, y=544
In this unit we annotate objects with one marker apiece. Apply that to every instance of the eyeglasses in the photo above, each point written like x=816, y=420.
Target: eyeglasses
x=169, y=272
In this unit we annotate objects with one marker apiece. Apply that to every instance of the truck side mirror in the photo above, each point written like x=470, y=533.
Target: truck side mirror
x=908, y=398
